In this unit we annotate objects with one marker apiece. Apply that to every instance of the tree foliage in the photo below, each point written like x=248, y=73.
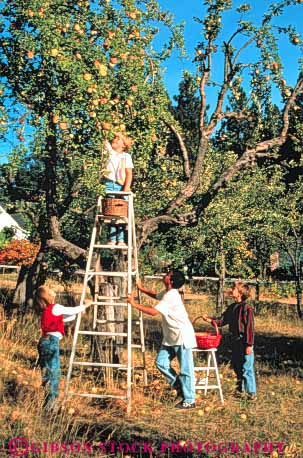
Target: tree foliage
x=19, y=253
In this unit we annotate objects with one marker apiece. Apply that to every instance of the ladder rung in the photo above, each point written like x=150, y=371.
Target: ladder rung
x=111, y=247
x=111, y=274
x=100, y=396
x=99, y=333
x=110, y=297
x=118, y=366
x=207, y=387
x=123, y=304
x=116, y=219
x=111, y=321
x=136, y=346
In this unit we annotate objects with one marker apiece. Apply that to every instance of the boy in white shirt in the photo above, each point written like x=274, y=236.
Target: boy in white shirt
x=178, y=336
x=118, y=177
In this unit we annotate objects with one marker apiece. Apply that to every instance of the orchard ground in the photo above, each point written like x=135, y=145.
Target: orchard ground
x=276, y=417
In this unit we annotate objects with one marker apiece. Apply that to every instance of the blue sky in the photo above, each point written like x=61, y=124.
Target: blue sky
x=186, y=10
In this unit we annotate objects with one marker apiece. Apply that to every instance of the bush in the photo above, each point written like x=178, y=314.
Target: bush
x=19, y=253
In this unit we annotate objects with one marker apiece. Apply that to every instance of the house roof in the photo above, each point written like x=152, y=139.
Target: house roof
x=17, y=217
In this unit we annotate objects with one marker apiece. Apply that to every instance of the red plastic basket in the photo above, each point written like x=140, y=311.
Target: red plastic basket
x=206, y=340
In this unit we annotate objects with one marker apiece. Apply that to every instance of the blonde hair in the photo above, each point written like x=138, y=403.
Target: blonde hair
x=128, y=142
x=243, y=289
x=42, y=298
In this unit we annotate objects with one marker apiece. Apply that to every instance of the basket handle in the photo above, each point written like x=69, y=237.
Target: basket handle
x=213, y=322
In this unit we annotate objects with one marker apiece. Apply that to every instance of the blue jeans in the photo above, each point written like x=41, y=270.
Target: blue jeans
x=49, y=360
x=186, y=376
x=243, y=366
x=116, y=232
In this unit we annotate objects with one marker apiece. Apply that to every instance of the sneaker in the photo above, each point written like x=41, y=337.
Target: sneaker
x=111, y=243
x=186, y=405
x=252, y=397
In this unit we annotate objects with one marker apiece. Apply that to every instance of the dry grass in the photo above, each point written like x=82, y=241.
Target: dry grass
x=275, y=417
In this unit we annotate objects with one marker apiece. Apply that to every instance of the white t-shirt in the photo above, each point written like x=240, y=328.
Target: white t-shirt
x=177, y=328
x=69, y=314
x=116, y=164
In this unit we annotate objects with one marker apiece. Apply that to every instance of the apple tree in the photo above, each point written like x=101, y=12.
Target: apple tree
x=251, y=68
x=76, y=72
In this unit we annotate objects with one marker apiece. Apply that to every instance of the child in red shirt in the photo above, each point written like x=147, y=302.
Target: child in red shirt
x=53, y=318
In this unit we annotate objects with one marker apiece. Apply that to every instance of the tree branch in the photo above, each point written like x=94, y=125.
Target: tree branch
x=69, y=249
x=183, y=149
x=242, y=49
x=251, y=154
x=235, y=115
x=151, y=224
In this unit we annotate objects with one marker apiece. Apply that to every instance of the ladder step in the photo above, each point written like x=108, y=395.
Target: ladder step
x=100, y=396
x=107, y=273
x=136, y=346
x=99, y=333
x=111, y=247
x=111, y=321
x=207, y=387
x=110, y=297
x=88, y=364
x=113, y=219
x=123, y=304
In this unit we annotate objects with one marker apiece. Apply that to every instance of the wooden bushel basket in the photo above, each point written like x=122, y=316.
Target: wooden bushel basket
x=115, y=207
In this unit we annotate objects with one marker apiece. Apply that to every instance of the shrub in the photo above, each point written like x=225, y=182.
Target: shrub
x=19, y=253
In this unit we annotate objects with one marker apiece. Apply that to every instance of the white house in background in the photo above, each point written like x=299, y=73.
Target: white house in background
x=12, y=221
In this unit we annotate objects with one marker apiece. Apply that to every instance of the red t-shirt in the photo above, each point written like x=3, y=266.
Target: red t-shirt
x=50, y=322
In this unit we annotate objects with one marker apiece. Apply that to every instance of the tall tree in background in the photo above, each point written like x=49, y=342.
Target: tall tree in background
x=250, y=83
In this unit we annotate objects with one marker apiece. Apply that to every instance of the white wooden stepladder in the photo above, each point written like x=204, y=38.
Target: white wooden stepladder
x=211, y=368
x=114, y=309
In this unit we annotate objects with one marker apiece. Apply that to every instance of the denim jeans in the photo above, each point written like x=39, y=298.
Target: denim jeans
x=49, y=360
x=186, y=376
x=116, y=232
x=243, y=366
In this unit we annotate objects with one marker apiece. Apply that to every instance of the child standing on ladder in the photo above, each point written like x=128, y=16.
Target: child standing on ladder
x=178, y=336
x=118, y=177
x=240, y=318
x=53, y=318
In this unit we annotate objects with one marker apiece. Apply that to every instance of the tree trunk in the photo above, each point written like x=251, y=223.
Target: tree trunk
x=299, y=297
x=221, y=284
x=29, y=279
